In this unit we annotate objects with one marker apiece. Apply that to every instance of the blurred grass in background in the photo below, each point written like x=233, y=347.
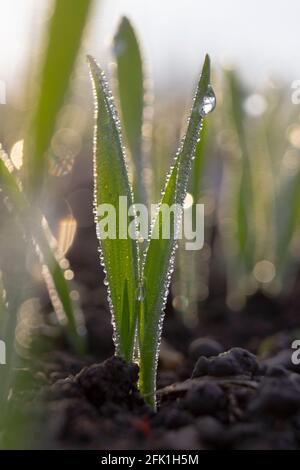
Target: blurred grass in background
x=23, y=183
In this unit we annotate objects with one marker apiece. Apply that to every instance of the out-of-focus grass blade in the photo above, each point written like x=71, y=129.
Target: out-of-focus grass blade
x=119, y=256
x=3, y=307
x=4, y=318
x=131, y=96
x=13, y=420
x=65, y=33
x=9, y=185
x=157, y=274
x=7, y=371
x=10, y=301
x=288, y=217
x=58, y=286
x=245, y=196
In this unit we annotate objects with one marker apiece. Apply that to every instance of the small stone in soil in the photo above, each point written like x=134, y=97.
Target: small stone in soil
x=277, y=396
x=184, y=438
x=243, y=431
x=112, y=381
x=204, y=398
x=236, y=361
x=166, y=378
x=64, y=388
x=173, y=418
x=204, y=347
x=210, y=429
x=276, y=371
x=282, y=359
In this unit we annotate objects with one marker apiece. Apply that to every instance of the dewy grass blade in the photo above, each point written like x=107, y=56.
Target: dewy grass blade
x=198, y=164
x=130, y=80
x=159, y=258
x=125, y=319
x=65, y=33
x=118, y=256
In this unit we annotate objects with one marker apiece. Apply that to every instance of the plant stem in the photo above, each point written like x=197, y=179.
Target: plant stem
x=148, y=353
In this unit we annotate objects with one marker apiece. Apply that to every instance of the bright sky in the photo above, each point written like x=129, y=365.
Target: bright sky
x=260, y=36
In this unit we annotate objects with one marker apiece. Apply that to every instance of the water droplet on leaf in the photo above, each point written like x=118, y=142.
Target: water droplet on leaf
x=208, y=103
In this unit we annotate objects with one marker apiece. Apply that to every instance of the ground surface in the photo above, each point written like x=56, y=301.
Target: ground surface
x=245, y=398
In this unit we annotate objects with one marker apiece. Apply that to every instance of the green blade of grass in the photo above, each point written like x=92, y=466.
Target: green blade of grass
x=12, y=418
x=119, y=256
x=198, y=164
x=58, y=286
x=287, y=218
x=10, y=297
x=243, y=210
x=125, y=320
x=65, y=33
x=131, y=95
x=4, y=319
x=3, y=307
x=7, y=334
x=157, y=274
x=3, y=322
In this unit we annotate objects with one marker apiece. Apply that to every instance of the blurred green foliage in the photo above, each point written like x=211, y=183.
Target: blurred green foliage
x=64, y=40
x=130, y=80
x=64, y=37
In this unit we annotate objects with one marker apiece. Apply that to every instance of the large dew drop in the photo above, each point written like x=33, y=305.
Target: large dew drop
x=208, y=103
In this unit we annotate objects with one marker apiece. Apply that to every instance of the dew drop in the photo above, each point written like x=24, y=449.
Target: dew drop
x=208, y=103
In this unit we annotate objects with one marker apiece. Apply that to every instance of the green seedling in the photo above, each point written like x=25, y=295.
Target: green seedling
x=138, y=283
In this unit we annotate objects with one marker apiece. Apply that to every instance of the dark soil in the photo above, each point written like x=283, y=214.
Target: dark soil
x=245, y=398
x=231, y=401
